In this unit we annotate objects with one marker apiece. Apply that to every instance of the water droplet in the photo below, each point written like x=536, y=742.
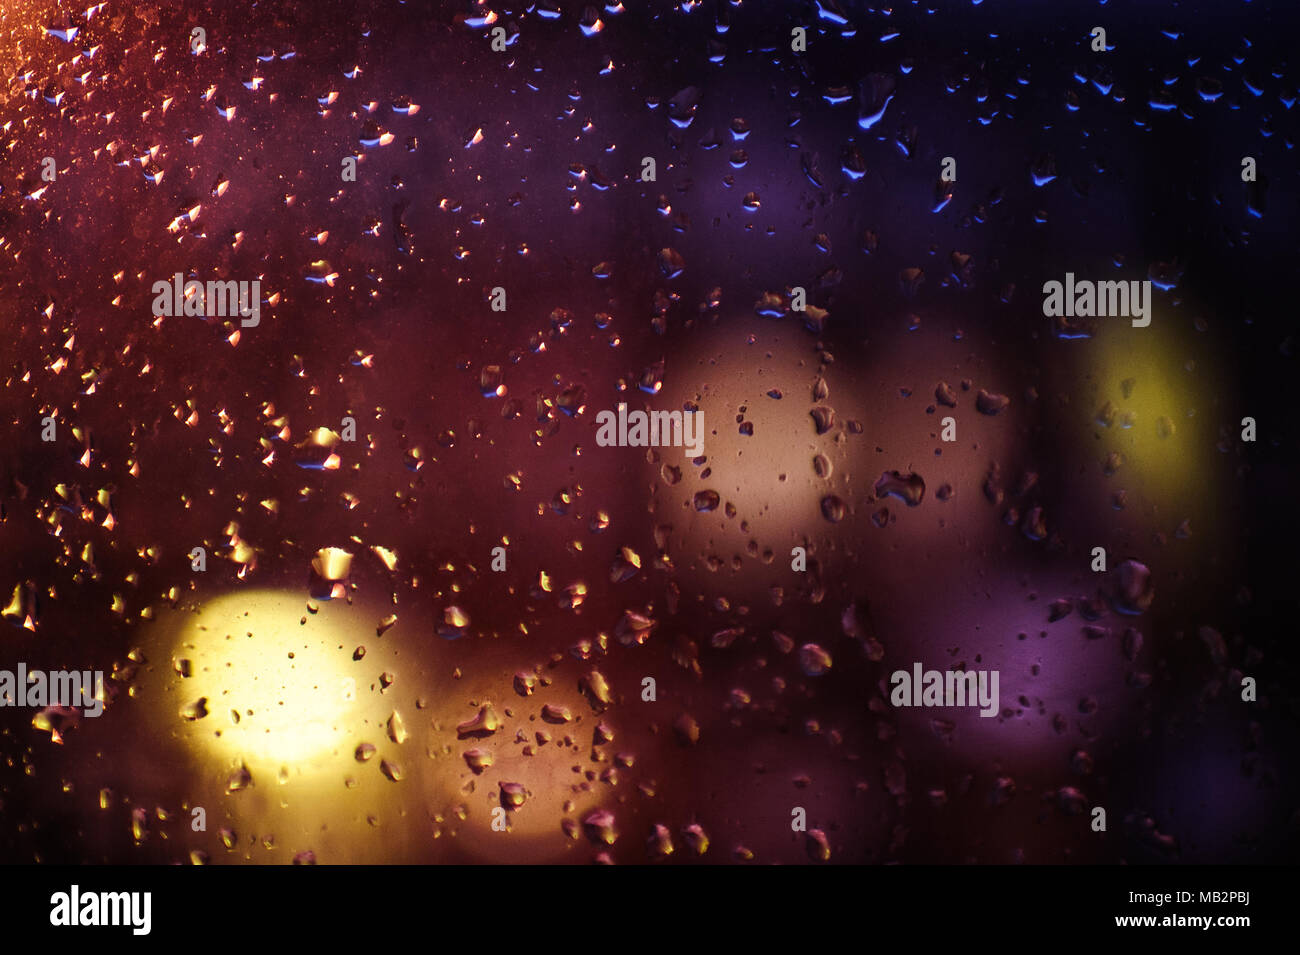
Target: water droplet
x=1132, y=588
x=600, y=828
x=833, y=508
x=484, y=724
x=554, y=713
x=512, y=795
x=686, y=729
x=908, y=488
x=706, y=500
x=989, y=403
x=814, y=660
x=397, y=728
x=478, y=760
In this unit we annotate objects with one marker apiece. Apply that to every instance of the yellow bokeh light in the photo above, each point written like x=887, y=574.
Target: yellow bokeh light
x=1146, y=378
x=276, y=690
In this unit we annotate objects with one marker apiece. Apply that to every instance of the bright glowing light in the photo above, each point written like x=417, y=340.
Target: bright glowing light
x=276, y=690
